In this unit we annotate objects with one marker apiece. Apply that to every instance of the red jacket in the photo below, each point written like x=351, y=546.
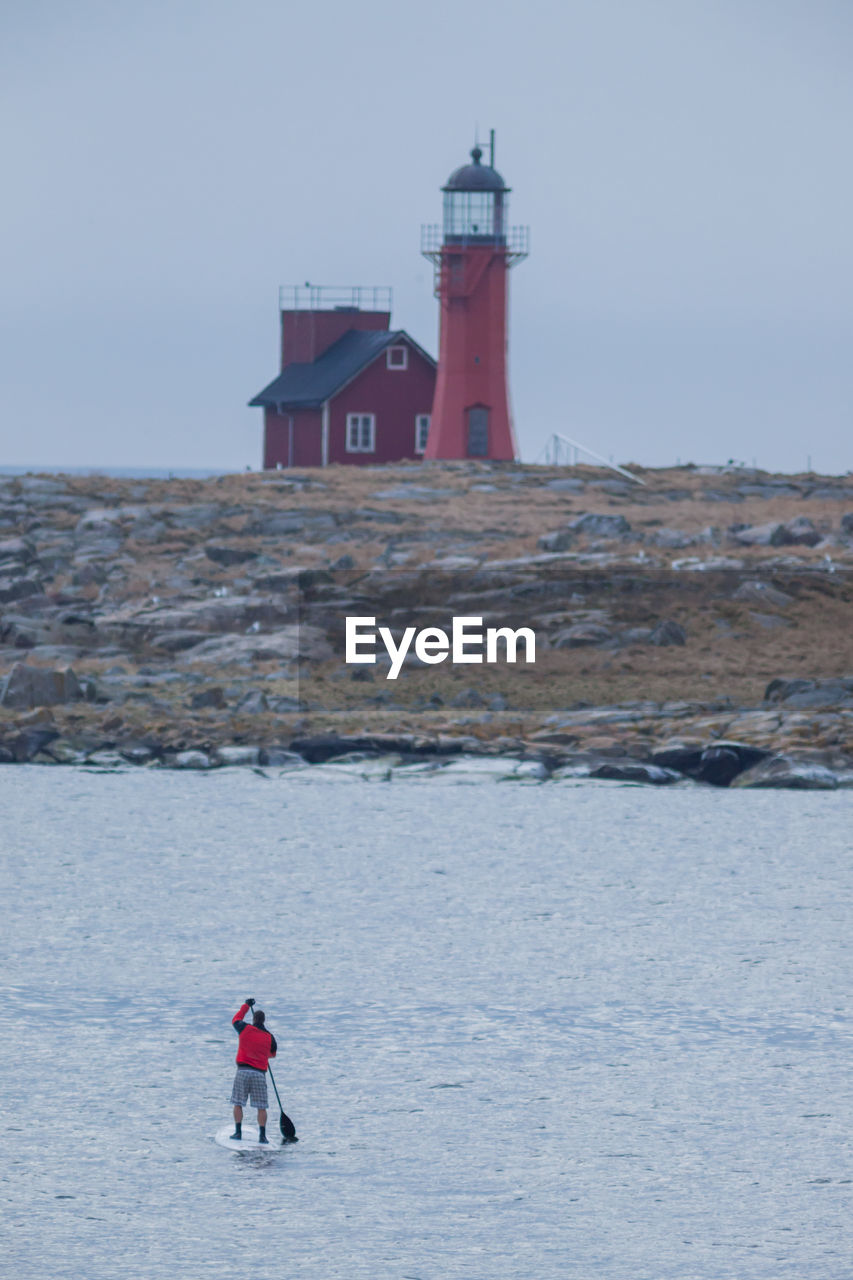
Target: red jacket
x=257, y=1045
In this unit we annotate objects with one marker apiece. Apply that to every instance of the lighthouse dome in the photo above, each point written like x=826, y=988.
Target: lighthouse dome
x=475, y=176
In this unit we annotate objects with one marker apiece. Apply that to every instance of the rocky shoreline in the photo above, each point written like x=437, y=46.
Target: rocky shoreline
x=695, y=629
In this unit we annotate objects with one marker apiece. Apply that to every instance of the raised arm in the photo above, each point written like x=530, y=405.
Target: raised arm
x=237, y=1021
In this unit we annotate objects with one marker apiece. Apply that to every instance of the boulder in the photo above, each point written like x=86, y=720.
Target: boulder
x=280, y=758
x=722, y=762
x=280, y=524
x=229, y=555
x=755, y=535
x=213, y=697
x=672, y=539
x=20, y=588
x=192, y=759
x=253, y=703
x=560, y=540
x=811, y=693
x=799, y=532
x=468, y=698
x=754, y=591
x=668, y=633
x=847, y=524
x=636, y=635
x=178, y=641
x=235, y=755
x=17, y=550
x=583, y=634
x=27, y=687
x=140, y=752
x=682, y=756
x=784, y=772
x=634, y=771
x=493, y=769
x=595, y=525
x=287, y=644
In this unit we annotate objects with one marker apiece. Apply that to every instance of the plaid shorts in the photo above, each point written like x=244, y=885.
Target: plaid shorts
x=252, y=1085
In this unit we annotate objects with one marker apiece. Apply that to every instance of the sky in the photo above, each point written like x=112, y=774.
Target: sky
x=683, y=165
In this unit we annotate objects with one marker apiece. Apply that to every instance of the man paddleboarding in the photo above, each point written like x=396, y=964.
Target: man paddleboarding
x=256, y=1047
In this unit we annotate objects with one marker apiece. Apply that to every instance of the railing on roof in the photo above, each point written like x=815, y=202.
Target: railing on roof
x=563, y=451
x=333, y=297
x=515, y=242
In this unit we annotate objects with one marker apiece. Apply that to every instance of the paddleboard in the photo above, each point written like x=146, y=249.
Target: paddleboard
x=249, y=1141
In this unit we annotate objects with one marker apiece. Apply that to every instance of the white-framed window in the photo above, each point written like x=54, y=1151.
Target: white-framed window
x=421, y=432
x=397, y=358
x=361, y=432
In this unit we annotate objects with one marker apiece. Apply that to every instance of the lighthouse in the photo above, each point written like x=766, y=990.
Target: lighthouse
x=472, y=253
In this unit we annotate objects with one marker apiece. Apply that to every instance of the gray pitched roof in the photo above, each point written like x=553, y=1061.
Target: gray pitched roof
x=308, y=386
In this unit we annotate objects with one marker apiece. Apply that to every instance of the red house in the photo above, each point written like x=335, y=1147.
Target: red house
x=351, y=389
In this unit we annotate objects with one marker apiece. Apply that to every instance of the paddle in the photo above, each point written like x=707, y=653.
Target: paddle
x=288, y=1130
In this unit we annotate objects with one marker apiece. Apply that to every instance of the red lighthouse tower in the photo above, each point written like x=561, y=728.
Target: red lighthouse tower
x=472, y=253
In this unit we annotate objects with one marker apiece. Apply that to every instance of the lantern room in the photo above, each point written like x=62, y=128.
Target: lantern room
x=475, y=204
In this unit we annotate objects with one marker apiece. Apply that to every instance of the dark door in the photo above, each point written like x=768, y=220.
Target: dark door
x=478, y=432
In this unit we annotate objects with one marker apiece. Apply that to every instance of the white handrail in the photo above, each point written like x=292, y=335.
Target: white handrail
x=553, y=451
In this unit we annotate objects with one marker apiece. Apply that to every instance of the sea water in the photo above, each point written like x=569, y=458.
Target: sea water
x=552, y=1031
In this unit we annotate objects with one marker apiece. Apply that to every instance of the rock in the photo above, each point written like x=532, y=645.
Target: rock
x=493, y=769
x=238, y=755
x=757, y=535
x=140, y=752
x=178, y=641
x=636, y=635
x=280, y=758
x=672, y=539
x=413, y=493
x=847, y=524
x=681, y=756
x=784, y=772
x=213, y=697
x=252, y=703
x=468, y=698
x=191, y=760
x=106, y=758
x=295, y=579
x=566, y=485
x=560, y=540
x=318, y=748
x=798, y=532
x=811, y=693
x=30, y=485
x=754, y=591
x=593, y=525
x=229, y=555
x=668, y=633
x=770, y=490
x=280, y=524
x=721, y=762
x=583, y=634
x=770, y=621
x=13, y=588
x=31, y=740
x=343, y=562
x=20, y=550
x=284, y=645
x=28, y=687
x=634, y=771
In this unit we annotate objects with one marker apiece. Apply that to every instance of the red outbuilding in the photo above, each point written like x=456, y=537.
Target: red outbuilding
x=351, y=389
